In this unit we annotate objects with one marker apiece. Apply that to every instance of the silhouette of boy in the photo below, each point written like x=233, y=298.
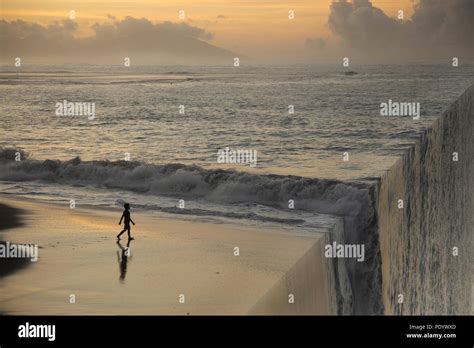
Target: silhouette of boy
x=126, y=221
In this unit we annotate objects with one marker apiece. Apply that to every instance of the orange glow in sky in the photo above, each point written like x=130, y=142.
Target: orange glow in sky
x=245, y=26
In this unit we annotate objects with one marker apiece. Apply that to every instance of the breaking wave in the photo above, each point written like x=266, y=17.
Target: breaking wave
x=409, y=251
x=184, y=181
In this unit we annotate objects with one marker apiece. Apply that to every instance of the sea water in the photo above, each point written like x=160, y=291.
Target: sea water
x=322, y=141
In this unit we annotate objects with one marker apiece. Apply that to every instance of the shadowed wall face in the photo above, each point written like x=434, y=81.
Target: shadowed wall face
x=427, y=247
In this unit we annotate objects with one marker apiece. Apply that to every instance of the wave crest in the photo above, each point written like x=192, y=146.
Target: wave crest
x=217, y=185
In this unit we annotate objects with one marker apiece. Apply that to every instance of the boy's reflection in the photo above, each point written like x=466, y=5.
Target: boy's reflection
x=123, y=255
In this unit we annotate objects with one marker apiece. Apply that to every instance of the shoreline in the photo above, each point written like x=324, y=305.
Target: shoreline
x=390, y=228
x=79, y=255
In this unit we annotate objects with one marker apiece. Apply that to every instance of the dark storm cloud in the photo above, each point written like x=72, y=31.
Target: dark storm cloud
x=437, y=27
x=445, y=22
x=362, y=25
x=139, y=39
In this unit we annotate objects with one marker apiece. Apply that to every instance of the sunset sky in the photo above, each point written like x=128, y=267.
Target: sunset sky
x=250, y=28
x=260, y=30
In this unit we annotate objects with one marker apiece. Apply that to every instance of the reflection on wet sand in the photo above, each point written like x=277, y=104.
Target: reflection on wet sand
x=122, y=256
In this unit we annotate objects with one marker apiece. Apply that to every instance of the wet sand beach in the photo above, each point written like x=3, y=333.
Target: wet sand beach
x=10, y=218
x=170, y=260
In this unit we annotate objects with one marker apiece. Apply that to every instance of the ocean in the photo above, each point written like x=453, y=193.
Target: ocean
x=137, y=117
x=157, y=130
x=138, y=112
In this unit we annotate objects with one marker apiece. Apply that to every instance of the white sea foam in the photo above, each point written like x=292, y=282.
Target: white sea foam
x=404, y=252
x=408, y=251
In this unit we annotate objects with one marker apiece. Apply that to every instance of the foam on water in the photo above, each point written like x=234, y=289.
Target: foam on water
x=242, y=108
x=408, y=251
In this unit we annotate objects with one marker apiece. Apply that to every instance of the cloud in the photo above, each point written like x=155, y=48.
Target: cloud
x=445, y=22
x=437, y=28
x=355, y=23
x=140, y=39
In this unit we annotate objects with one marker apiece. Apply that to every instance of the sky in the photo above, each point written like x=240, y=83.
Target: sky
x=214, y=31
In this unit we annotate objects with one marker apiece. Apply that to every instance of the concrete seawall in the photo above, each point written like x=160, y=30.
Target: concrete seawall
x=426, y=246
